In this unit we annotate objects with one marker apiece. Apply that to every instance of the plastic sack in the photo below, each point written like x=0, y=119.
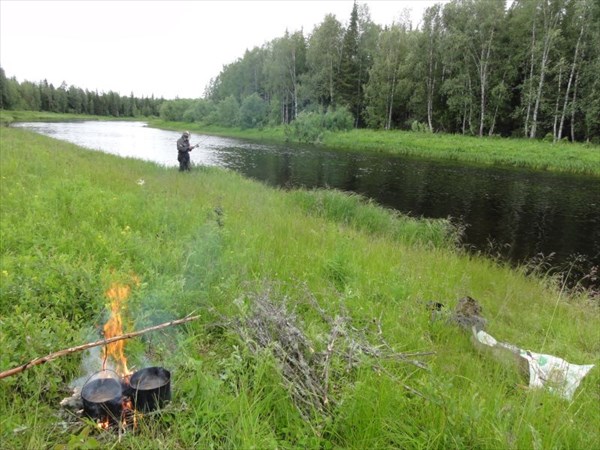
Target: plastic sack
x=545, y=371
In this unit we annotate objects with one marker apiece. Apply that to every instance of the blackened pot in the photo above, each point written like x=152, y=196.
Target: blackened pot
x=102, y=398
x=150, y=388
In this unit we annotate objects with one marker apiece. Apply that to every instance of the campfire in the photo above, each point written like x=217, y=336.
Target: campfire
x=115, y=401
x=116, y=396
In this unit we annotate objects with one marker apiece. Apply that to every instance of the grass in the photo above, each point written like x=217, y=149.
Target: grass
x=535, y=154
x=7, y=117
x=73, y=221
x=268, y=134
x=567, y=157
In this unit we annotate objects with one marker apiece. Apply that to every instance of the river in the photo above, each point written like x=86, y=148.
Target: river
x=513, y=214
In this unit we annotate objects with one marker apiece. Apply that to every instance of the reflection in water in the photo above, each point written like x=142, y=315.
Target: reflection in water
x=515, y=213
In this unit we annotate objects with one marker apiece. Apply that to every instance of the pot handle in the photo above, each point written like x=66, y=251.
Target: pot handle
x=116, y=377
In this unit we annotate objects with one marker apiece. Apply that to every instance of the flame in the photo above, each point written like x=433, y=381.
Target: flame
x=118, y=295
x=104, y=424
x=127, y=404
x=129, y=413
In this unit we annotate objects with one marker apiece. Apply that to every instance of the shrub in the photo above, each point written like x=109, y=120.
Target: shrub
x=309, y=126
x=338, y=119
x=419, y=127
x=549, y=137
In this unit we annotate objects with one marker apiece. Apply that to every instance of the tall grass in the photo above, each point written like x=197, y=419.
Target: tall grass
x=73, y=221
x=364, y=215
x=517, y=152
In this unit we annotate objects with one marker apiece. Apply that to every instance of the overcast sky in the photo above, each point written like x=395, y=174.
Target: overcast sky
x=163, y=48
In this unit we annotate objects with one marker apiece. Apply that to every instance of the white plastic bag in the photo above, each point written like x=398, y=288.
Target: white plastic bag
x=545, y=371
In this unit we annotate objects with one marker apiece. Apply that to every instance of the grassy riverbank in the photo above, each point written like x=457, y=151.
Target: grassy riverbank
x=538, y=155
x=534, y=154
x=8, y=117
x=210, y=242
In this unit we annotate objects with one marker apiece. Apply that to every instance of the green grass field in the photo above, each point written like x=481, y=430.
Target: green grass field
x=342, y=272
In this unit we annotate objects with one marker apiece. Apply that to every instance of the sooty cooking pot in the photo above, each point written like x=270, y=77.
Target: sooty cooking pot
x=102, y=397
x=150, y=388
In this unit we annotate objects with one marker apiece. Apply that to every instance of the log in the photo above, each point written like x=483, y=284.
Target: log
x=67, y=351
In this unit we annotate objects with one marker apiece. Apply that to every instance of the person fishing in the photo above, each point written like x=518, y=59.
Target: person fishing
x=183, y=151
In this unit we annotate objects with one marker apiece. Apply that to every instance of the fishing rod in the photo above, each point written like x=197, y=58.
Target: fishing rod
x=198, y=143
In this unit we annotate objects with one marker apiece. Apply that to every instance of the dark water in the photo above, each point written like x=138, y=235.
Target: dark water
x=513, y=214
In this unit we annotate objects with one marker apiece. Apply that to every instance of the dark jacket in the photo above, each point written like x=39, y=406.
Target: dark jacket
x=183, y=145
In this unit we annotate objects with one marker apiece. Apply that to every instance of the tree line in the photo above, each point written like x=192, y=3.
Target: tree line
x=473, y=67
x=43, y=96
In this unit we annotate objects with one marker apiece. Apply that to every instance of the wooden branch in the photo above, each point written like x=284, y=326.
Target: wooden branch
x=338, y=323
x=51, y=356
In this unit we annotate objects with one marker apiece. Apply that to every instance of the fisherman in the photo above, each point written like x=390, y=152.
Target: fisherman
x=183, y=151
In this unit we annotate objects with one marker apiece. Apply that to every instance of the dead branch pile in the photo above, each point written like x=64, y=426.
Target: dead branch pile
x=307, y=373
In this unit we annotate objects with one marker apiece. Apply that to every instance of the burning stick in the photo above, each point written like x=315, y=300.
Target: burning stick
x=68, y=351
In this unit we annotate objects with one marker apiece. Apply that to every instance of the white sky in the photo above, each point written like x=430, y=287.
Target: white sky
x=163, y=48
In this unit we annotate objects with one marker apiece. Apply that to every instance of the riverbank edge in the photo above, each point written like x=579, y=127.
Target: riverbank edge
x=9, y=117
x=569, y=158
x=576, y=159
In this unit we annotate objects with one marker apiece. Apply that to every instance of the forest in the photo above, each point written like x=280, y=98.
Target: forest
x=473, y=67
x=526, y=68
x=44, y=96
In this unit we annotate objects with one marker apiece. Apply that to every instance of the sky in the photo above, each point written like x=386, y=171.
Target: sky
x=169, y=49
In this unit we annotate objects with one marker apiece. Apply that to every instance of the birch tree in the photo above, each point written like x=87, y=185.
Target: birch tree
x=473, y=25
x=384, y=76
x=457, y=87
x=586, y=89
x=323, y=60
x=549, y=13
x=430, y=53
x=284, y=67
x=581, y=14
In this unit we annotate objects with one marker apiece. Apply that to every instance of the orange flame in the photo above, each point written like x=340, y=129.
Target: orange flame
x=118, y=295
x=129, y=413
x=104, y=424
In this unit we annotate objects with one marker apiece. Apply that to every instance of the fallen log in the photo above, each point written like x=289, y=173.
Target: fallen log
x=67, y=351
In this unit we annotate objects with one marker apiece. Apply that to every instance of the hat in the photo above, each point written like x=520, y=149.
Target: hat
x=186, y=133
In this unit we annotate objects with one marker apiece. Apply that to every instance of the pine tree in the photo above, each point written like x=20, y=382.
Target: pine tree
x=348, y=79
